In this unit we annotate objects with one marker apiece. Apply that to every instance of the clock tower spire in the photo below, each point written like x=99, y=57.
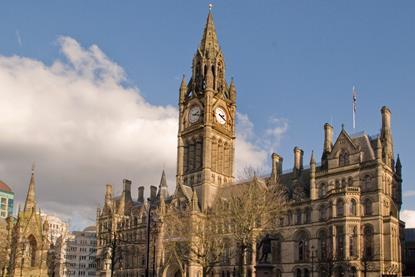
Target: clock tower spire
x=207, y=107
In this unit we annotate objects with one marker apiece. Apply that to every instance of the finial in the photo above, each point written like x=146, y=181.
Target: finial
x=33, y=168
x=342, y=126
x=210, y=6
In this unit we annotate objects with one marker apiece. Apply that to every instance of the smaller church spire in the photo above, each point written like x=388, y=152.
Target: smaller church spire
x=312, y=159
x=30, y=203
x=163, y=186
x=398, y=166
x=183, y=89
x=232, y=91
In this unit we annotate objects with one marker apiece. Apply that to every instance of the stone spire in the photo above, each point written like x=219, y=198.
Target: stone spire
x=163, y=186
x=232, y=91
x=30, y=203
x=312, y=159
x=209, y=43
x=208, y=70
x=398, y=168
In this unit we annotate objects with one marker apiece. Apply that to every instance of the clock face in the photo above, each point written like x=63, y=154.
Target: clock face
x=220, y=115
x=194, y=114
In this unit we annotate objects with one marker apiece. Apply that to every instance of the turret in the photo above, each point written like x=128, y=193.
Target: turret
x=313, y=187
x=386, y=137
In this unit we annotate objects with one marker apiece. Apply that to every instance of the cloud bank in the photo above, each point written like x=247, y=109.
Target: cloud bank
x=84, y=128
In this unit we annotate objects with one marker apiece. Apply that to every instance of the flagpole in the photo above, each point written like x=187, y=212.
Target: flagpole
x=354, y=97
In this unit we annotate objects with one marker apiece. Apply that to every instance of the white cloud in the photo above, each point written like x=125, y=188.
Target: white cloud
x=85, y=128
x=254, y=150
x=82, y=126
x=408, y=216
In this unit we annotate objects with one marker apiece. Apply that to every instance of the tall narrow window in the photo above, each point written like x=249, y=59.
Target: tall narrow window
x=368, y=242
x=340, y=241
x=353, y=242
x=343, y=158
x=298, y=217
x=32, y=251
x=353, y=209
x=322, y=241
x=340, y=207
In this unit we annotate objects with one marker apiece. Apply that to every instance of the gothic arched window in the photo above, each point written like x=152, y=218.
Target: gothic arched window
x=368, y=242
x=339, y=207
x=298, y=273
x=353, y=242
x=322, y=244
x=32, y=250
x=353, y=209
x=340, y=241
x=301, y=246
x=343, y=158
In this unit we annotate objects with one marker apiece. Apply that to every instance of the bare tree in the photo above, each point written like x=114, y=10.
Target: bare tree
x=249, y=208
x=193, y=237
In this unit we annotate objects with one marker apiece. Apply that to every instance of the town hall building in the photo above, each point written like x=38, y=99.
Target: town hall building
x=342, y=212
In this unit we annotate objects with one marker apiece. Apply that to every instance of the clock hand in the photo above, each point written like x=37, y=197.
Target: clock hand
x=223, y=117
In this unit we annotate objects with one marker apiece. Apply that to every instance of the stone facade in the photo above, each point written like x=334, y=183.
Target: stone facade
x=342, y=214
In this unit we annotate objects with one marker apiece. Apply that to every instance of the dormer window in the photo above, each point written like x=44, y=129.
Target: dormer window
x=343, y=158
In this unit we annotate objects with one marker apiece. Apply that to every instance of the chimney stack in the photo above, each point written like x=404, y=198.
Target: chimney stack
x=153, y=192
x=298, y=159
x=276, y=165
x=328, y=138
x=141, y=194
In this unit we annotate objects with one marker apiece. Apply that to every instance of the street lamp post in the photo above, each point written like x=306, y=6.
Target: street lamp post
x=148, y=238
x=312, y=260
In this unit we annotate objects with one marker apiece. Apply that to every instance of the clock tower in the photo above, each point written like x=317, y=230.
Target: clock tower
x=207, y=106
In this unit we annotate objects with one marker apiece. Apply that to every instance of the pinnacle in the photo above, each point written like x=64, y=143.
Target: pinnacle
x=209, y=39
x=30, y=203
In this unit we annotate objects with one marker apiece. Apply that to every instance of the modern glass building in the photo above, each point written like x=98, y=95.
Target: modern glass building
x=6, y=200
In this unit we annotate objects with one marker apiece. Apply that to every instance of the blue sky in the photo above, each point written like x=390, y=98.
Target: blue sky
x=292, y=60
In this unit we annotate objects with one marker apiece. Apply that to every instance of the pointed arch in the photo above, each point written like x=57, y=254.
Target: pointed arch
x=32, y=250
